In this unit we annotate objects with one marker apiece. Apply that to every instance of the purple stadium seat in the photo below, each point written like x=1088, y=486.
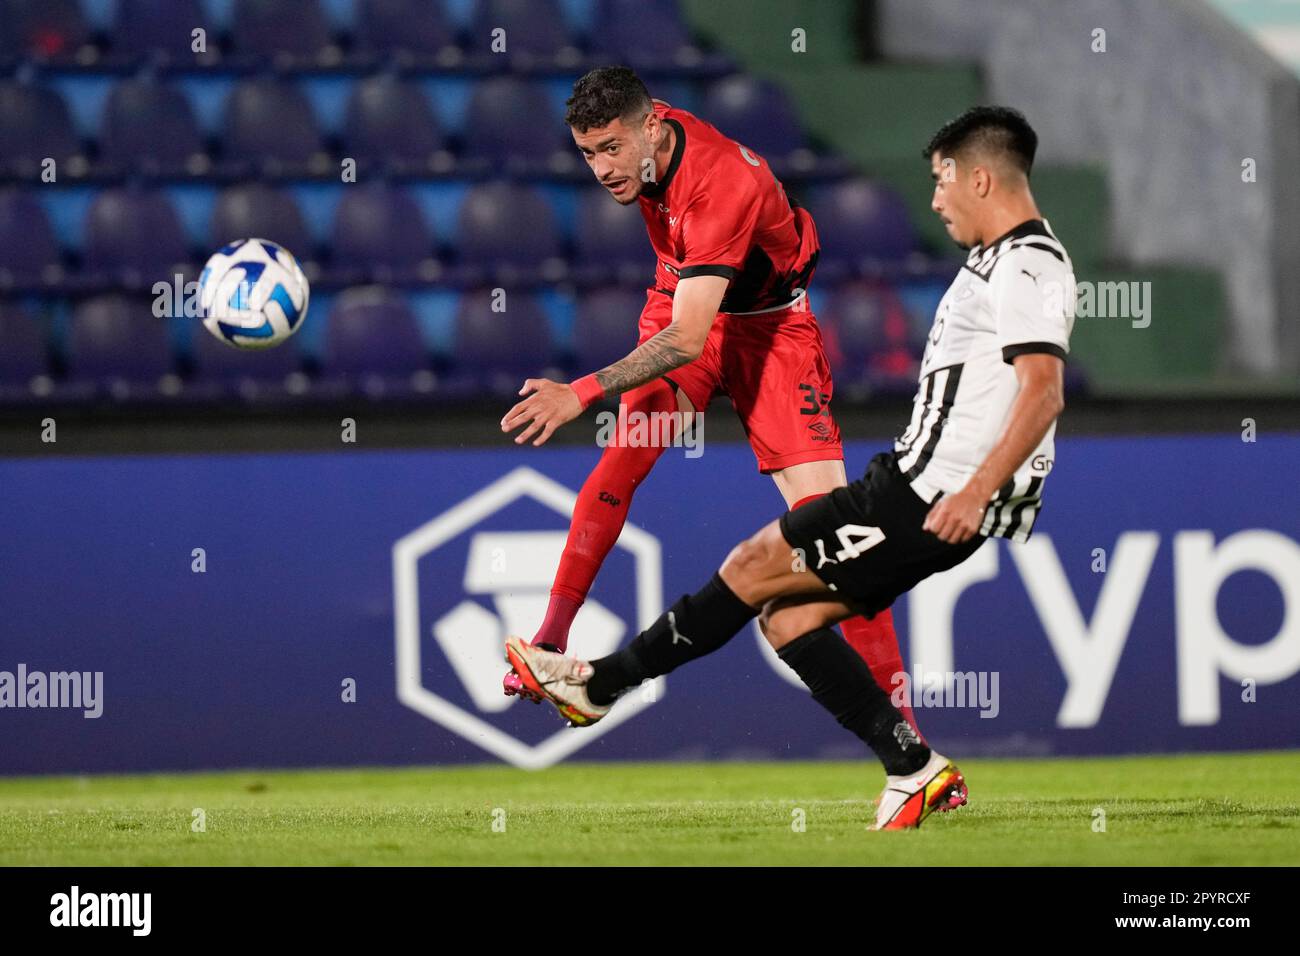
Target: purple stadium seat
x=269, y=126
x=497, y=138
x=414, y=29
x=160, y=30
x=508, y=231
x=872, y=337
x=390, y=124
x=34, y=124
x=373, y=344
x=496, y=351
x=230, y=368
x=117, y=338
x=611, y=241
x=42, y=29
x=257, y=210
x=29, y=255
x=133, y=237
x=22, y=346
x=380, y=235
x=149, y=127
x=283, y=31
x=860, y=222
x=535, y=31
x=756, y=114
x=619, y=34
x=605, y=328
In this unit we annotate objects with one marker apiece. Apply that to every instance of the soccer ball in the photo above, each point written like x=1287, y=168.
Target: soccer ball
x=252, y=294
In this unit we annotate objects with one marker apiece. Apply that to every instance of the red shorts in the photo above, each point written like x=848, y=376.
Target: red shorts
x=773, y=368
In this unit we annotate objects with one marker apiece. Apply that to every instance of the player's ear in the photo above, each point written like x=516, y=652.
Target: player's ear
x=981, y=181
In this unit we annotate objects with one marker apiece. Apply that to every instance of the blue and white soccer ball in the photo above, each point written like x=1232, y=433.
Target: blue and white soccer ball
x=253, y=294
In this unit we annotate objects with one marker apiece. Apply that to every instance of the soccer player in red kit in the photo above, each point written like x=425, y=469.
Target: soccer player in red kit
x=727, y=314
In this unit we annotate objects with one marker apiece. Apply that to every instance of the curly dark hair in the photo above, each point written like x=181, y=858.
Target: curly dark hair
x=605, y=94
x=998, y=128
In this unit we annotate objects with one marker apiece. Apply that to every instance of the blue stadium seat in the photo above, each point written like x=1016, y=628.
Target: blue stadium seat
x=116, y=342
x=53, y=30
x=287, y=33
x=507, y=233
x=161, y=31
x=269, y=127
x=149, y=127
x=496, y=351
x=29, y=255
x=863, y=227
x=610, y=243
x=35, y=124
x=221, y=371
x=536, y=34
x=619, y=35
x=871, y=344
x=495, y=138
x=758, y=115
x=257, y=210
x=605, y=328
x=390, y=126
x=22, y=353
x=413, y=32
x=133, y=238
x=373, y=342
x=380, y=235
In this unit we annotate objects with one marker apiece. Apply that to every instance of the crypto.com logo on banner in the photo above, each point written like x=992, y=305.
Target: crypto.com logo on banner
x=503, y=589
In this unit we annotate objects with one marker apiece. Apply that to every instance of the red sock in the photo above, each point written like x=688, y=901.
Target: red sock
x=599, y=515
x=876, y=643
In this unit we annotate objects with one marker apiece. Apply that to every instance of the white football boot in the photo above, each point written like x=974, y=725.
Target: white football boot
x=561, y=680
x=907, y=801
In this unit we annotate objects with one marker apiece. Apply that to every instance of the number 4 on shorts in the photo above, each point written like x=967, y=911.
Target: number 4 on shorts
x=856, y=539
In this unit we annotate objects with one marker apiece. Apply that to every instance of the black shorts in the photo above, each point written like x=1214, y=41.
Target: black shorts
x=865, y=540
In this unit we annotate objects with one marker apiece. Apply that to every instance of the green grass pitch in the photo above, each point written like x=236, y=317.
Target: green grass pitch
x=1220, y=809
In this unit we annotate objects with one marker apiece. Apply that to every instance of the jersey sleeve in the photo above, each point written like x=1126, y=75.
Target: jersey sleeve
x=1032, y=295
x=718, y=229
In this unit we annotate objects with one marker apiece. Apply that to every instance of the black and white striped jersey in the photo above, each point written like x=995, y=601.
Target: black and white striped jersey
x=1009, y=299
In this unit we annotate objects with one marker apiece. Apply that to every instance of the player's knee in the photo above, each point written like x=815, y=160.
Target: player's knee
x=783, y=623
x=746, y=561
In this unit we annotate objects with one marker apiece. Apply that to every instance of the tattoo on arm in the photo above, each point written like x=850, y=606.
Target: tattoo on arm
x=647, y=362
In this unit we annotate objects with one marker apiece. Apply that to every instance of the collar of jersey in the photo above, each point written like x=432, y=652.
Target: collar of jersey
x=1030, y=227
x=678, y=148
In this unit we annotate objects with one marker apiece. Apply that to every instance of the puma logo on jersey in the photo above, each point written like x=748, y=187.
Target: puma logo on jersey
x=677, y=636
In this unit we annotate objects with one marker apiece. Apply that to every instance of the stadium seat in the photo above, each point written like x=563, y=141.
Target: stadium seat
x=161, y=31
x=256, y=210
x=34, y=125
x=269, y=127
x=390, y=126
x=148, y=127
x=536, y=34
x=413, y=32
x=610, y=243
x=287, y=33
x=373, y=343
x=380, y=235
x=863, y=227
x=29, y=255
x=115, y=341
x=22, y=350
x=43, y=29
x=495, y=138
x=605, y=328
x=619, y=35
x=134, y=238
x=758, y=115
x=507, y=233
x=256, y=374
x=497, y=350
x=875, y=348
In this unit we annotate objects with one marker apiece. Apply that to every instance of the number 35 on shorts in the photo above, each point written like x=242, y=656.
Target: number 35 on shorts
x=855, y=540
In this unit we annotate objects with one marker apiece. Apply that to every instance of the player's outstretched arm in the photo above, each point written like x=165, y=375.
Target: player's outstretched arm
x=956, y=518
x=549, y=405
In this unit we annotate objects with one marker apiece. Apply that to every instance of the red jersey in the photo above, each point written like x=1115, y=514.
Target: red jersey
x=719, y=211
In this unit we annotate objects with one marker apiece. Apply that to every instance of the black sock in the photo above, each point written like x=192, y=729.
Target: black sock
x=696, y=625
x=842, y=683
